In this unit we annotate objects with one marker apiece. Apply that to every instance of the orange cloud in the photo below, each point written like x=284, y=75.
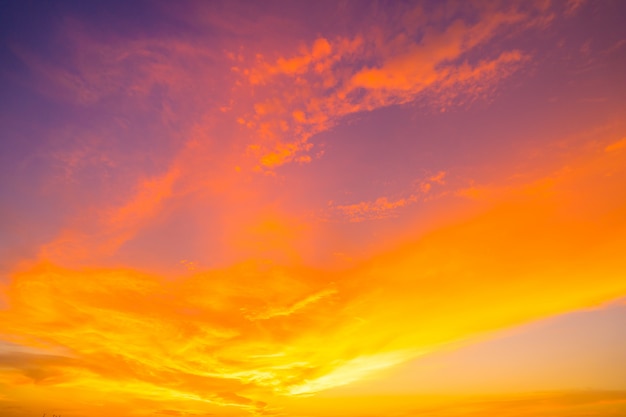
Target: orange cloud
x=620, y=144
x=299, y=64
x=149, y=195
x=243, y=336
x=114, y=227
x=377, y=209
x=383, y=207
x=310, y=92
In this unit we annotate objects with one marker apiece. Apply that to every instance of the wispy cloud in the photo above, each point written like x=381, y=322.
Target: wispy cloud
x=384, y=207
x=235, y=336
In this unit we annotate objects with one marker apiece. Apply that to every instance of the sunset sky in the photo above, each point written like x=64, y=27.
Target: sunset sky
x=313, y=208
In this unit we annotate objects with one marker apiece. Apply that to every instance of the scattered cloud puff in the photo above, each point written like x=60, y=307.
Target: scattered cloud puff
x=309, y=92
x=377, y=209
x=384, y=207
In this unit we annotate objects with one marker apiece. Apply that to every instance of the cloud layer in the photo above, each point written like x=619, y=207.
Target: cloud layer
x=227, y=209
